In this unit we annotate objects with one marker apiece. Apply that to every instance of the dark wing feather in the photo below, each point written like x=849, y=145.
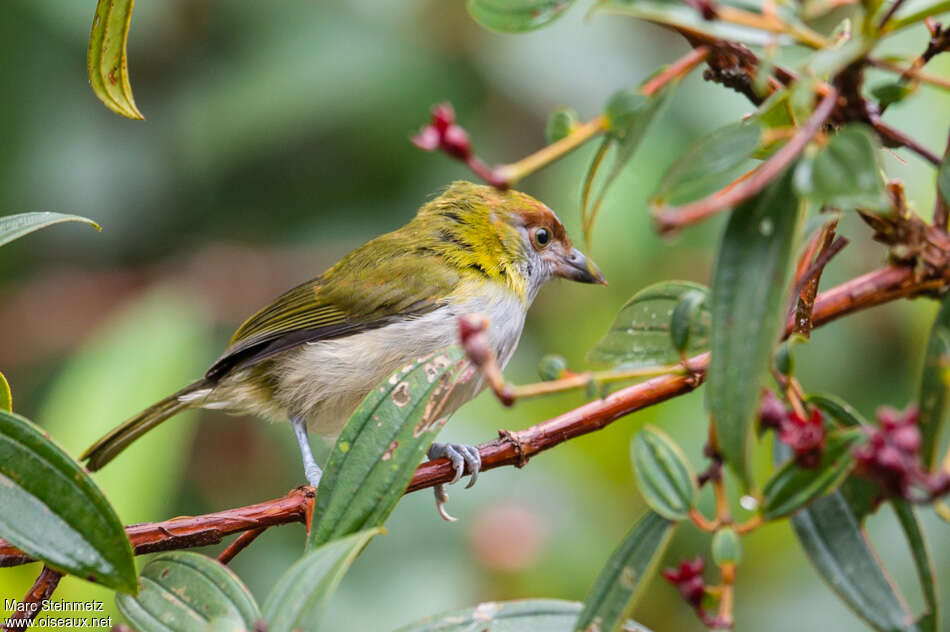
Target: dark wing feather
x=375, y=285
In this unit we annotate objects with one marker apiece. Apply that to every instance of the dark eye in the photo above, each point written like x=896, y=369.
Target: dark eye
x=542, y=237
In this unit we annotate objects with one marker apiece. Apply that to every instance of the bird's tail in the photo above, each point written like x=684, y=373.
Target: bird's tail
x=120, y=437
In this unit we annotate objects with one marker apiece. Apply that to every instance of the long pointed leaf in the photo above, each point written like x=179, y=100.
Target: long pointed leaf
x=6, y=397
x=107, y=61
x=528, y=615
x=934, y=382
x=299, y=600
x=16, y=226
x=53, y=511
x=926, y=572
x=748, y=296
x=182, y=591
x=626, y=574
x=375, y=456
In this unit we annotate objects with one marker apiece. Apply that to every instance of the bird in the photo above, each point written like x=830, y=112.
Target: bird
x=315, y=352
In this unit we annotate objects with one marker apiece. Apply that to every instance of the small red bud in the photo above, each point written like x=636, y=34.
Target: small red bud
x=771, y=411
x=427, y=139
x=907, y=439
x=455, y=142
x=442, y=117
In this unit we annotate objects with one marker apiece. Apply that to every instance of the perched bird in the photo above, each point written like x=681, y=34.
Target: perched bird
x=313, y=354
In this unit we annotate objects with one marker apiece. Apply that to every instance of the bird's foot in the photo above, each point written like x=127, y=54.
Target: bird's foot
x=313, y=473
x=460, y=456
x=310, y=468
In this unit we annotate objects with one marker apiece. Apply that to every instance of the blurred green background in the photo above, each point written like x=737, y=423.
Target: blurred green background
x=276, y=140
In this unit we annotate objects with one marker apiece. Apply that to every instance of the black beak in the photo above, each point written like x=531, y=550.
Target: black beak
x=576, y=267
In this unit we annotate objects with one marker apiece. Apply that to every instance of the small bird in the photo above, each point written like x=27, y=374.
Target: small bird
x=313, y=354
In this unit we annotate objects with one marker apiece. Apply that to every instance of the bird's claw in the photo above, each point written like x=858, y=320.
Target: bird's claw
x=460, y=456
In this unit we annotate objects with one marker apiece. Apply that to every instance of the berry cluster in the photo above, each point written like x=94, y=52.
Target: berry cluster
x=444, y=133
x=806, y=437
x=891, y=456
x=688, y=579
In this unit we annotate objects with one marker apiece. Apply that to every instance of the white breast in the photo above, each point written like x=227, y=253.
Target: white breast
x=325, y=381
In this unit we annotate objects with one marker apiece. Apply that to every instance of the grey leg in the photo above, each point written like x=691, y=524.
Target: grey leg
x=311, y=470
x=460, y=455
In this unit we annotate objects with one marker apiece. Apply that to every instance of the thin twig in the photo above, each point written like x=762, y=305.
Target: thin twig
x=31, y=604
x=514, y=448
x=673, y=218
x=677, y=69
x=240, y=543
x=899, y=137
x=890, y=13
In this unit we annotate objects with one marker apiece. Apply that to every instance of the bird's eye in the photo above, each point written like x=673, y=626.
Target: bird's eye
x=542, y=237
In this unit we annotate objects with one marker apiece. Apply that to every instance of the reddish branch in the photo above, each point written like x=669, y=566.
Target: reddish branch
x=511, y=448
x=42, y=588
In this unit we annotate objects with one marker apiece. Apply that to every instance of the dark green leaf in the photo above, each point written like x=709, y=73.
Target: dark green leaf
x=943, y=179
x=528, y=615
x=106, y=60
x=663, y=474
x=626, y=574
x=748, y=297
x=687, y=317
x=516, y=16
x=708, y=164
x=684, y=18
x=846, y=173
x=300, y=599
x=832, y=537
x=384, y=440
x=793, y=487
x=837, y=408
x=6, y=397
x=930, y=622
x=934, y=381
x=641, y=335
x=560, y=124
x=891, y=92
x=182, y=591
x=726, y=547
x=15, y=226
x=54, y=512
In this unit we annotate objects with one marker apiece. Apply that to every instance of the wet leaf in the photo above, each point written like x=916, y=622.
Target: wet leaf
x=832, y=537
x=687, y=317
x=923, y=561
x=6, y=397
x=54, y=512
x=934, y=382
x=793, y=487
x=560, y=124
x=748, y=297
x=16, y=226
x=182, y=591
x=626, y=574
x=663, y=474
x=300, y=599
x=845, y=174
x=528, y=615
x=516, y=16
x=708, y=164
x=107, y=60
x=641, y=335
x=384, y=440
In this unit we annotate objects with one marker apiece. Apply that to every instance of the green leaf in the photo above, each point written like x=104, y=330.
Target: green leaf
x=6, y=397
x=15, y=226
x=748, y=297
x=54, y=512
x=846, y=173
x=687, y=316
x=838, y=409
x=922, y=11
x=516, y=16
x=934, y=381
x=891, y=92
x=560, y=124
x=528, y=615
x=106, y=60
x=663, y=474
x=832, y=537
x=626, y=574
x=686, y=19
x=708, y=164
x=726, y=547
x=926, y=572
x=299, y=600
x=184, y=591
x=641, y=335
x=793, y=487
x=384, y=440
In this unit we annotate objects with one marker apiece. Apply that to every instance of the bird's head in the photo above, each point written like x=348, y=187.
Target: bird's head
x=505, y=236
